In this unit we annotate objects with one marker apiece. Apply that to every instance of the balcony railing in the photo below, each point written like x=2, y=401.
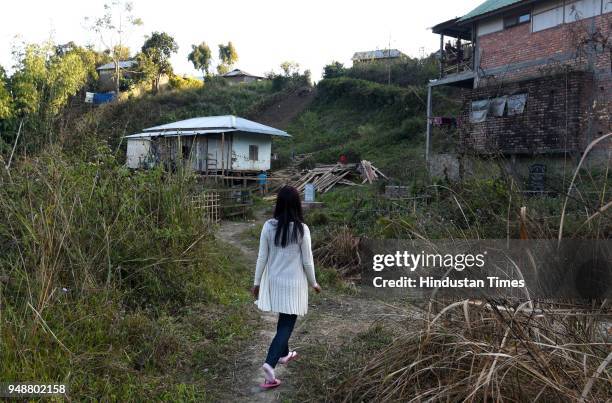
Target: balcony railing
x=456, y=59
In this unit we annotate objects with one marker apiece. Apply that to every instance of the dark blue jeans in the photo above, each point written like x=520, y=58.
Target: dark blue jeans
x=280, y=343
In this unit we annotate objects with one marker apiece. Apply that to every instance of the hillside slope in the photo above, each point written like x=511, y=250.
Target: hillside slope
x=111, y=122
x=284, y=107
x=362, y=120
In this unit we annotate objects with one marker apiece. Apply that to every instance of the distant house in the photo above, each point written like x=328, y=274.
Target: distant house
x=106, y=73
x=238, y=76
x=377, y=55
x=211, y=145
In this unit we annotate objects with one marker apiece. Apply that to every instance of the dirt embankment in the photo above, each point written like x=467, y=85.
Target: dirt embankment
x=285, y=107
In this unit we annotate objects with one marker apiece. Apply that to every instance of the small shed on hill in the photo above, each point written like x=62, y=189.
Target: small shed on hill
x=377, y=55
x=106, y=73
x=212, y=145
x=238, y=76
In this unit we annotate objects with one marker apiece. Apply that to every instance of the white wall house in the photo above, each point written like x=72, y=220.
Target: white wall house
x=207, y=144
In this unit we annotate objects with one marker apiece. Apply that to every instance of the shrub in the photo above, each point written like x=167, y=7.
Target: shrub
x=95, y=259
x=183, y=83
x=366, y=94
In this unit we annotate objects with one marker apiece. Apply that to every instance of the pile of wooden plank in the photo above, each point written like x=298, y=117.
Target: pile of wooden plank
x=325, y=177
x=369, y=172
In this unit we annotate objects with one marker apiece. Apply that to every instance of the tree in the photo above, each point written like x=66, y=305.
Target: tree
x=156, y=51
x=290, y=68
x=44, y=81
x=146, y=70
x=201, y=56
x=122, y=52
x=227, y=57
x=6, y=100
x=113, y=28
x=90, y=58
x=334, y=70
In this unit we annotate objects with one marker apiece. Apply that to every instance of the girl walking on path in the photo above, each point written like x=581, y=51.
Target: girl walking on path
x=283, y=272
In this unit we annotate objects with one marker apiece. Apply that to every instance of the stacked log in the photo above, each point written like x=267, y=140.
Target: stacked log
x=325, y=177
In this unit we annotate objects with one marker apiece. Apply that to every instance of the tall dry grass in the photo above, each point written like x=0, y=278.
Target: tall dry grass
x=489, y=350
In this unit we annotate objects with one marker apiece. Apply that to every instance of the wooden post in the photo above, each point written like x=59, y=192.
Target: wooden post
x=222, y=154
x=179, y=150
x=207, y=156
x=428, y=136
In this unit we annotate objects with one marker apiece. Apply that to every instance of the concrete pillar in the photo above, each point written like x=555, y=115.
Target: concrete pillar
x=428, y=136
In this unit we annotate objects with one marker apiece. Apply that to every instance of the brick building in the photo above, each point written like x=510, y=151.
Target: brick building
x=536, y=77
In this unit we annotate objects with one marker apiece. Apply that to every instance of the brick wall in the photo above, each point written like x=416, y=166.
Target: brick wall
x=518, y=45
x=507, y=58
x=553, y=121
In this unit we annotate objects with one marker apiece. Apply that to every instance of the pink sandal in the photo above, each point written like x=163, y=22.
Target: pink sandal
x=292, y=356
x=270, y=385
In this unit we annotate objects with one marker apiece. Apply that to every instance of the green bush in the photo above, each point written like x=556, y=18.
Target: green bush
x=109, y=279
x=403, y=72
x=183, y=83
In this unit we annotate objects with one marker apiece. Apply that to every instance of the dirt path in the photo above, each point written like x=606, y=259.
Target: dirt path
x=285, y=110
x=332, y=319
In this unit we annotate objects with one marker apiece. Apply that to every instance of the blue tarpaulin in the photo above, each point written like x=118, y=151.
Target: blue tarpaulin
x=103, y=97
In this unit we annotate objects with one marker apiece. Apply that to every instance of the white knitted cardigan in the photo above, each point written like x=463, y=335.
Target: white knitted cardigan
x=283, y=274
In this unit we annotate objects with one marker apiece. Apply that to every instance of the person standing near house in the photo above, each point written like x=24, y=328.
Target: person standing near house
x=284, y=270
x=262, y=179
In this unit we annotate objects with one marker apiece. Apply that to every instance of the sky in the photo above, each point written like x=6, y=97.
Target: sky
x=265, y=32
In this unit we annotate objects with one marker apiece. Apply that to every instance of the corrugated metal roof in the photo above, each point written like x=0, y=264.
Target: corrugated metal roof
x=238, y=72
x=377, y=54
x=124, y=64
x=207, y=125
x=487, y=7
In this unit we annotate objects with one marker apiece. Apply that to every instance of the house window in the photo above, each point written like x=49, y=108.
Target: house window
x=578, y=10
x=516, y=19
x=547, y=19
x=253, y=153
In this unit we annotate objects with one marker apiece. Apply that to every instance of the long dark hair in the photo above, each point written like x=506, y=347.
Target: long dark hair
x=288, y=210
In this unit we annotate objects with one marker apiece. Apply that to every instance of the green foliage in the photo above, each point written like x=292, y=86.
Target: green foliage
x=184, y=83
x=477, y=208
x=362, y=119
x=119, y=52
x=45, y=79
x=228, y=56
x=367, y=94
x=111, y=122
x=290, y=68
x=334, y=70
x=155, y=58
x=291, y=78
x=146, y=70
x=201, y=57
x=115, y=286
x=403, y=72
x=6, y=100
